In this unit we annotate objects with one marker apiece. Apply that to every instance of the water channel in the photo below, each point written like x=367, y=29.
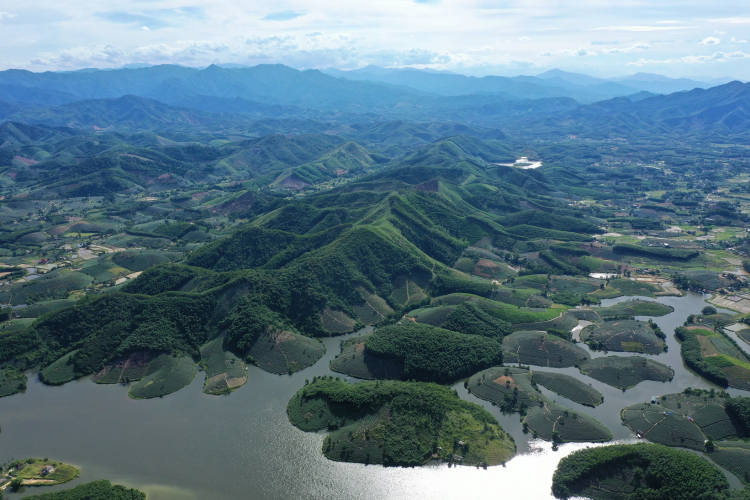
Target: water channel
x=189, y=445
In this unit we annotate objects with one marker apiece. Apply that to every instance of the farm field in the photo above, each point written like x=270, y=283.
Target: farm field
x=568, y=387
x=225, y=372
x=38, y=472
x=355, y=360
x=165, y=375
x=715, y=356
x=553, y=422
x=541, y=349
x=280, y=351
x=625, y=372
x=623, y=335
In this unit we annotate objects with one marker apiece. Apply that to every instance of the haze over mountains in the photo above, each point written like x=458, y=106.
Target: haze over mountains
x=254, y=101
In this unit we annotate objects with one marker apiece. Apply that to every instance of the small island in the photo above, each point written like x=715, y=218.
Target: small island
x=399, y=423
x=95, y=490
x=621, y=472
x=35, y=472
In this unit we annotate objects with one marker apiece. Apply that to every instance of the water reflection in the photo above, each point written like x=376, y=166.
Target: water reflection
x=192, y=445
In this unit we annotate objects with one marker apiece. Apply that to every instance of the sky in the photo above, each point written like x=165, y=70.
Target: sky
x=685, y=38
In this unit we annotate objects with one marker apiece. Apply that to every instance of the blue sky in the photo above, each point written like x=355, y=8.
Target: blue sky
x=478, y=37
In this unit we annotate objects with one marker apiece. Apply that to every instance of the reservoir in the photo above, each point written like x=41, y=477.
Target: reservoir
x=190, y=445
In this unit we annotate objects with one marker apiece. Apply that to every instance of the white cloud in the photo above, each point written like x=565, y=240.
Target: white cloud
x=710, y=41
x=145, y=28
x=639, y=28
x=6, y=15
x=734, y=40
x=638, y=47
x=524, y=39
x=729, y=20
x=567, y=52
x=718, y=57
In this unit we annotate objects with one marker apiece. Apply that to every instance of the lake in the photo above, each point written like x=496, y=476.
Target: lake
x=194, y=446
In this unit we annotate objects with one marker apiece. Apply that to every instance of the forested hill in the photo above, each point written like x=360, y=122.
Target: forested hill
x=323, y=264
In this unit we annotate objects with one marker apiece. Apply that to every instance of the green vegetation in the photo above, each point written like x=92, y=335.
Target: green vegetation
x=655, y=252
x=714, y=356
x=686, y=419
x=733, y=456
x=635, y=307
x=624, y=335
x=620, y=472
x=12, y=381
x=281, y=351
x=225, y=372
x=37, y=472
x=95, y=490
x=398, y=423
x=165, y=375
x=541, y=349
x=568, y=387
x=417, y=352
x=557, y=423
x=514, y=389
x=625, y=372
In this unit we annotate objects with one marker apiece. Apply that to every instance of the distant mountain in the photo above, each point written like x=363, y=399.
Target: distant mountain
x=446, y=84
x=721, y=110
x=650, y=82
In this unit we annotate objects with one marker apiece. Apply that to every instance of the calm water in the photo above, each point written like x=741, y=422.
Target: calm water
x=195, y=446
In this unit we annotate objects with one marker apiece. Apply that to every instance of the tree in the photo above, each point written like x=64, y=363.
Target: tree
x=708, y=310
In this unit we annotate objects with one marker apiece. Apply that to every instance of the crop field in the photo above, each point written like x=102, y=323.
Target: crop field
x=565, y=321
x=225, y=372
x=625, y=372
x=489, y=269
x=355, y=361
x=406, y=291
x=585, y=315
x=509, y=388
x=37, y=309
x=721, y=353
x=455, y=299
x=517, y=315
x=59, y=372
x=568, y=387
x=12, y=381
x=541, y=349
x=632, y=287
x=166, y=374
x=434, y=316
x=280, y=351
x=636, y=307
x=53, y=285
x=735, y=457
x=681, y=420
x=538, y=301
x=130, y=368
x=570, y=425
x=372, y=308
x=336, y=321
x=581, y=287
x=744, y=334
x=623, y=336
x=657, y=425
x=140, y=260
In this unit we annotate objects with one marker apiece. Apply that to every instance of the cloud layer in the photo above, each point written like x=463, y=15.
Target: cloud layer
x=470, y=36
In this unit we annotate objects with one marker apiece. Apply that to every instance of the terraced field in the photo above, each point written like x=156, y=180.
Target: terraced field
x=130, y=368
x=681, y=419
x=12, y=381
x=735, y=457
x=541, y=349
x=635, y=307
x=225, y=372
x=354, y=360
x=623, y=336
x=568, y=387
x=372, y=309
x=508, y=387
x=553, y=422
x=715, y=355
x=625, y=372
x=165, y=375
x=281, y=351
x=59, y=372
